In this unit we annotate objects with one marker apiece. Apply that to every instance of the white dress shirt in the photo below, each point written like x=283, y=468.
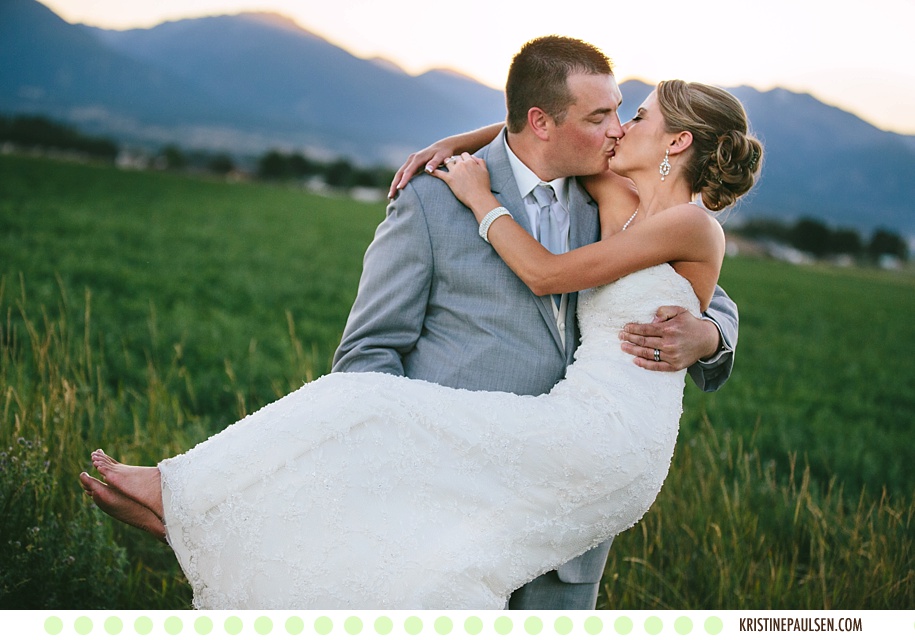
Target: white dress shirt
x=527, y=180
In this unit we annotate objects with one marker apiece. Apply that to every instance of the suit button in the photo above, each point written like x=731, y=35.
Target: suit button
x=562, y=326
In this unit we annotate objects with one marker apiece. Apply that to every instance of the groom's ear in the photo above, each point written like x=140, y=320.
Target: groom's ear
x=681, y=142
x=539, y=122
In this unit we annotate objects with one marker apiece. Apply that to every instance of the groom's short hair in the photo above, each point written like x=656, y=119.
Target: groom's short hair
x=539, y=72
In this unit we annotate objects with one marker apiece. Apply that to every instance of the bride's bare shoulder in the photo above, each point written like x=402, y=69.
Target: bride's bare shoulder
x=694, y=216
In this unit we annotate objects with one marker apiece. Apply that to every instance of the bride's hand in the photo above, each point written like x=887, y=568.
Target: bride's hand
x=435, y=154
x=425, y=159
x=468, y=178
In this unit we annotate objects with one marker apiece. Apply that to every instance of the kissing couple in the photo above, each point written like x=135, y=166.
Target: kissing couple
x=506, y=395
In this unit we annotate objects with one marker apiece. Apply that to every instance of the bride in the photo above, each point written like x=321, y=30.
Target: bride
x=368, y=490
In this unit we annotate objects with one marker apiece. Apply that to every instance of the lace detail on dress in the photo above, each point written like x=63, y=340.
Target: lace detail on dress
x=366, y=490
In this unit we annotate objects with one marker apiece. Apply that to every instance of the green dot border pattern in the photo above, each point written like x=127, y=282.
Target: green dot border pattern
x=381, y=625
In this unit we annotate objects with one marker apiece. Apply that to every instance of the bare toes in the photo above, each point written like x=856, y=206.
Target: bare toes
x=87, y=482
x=121, y=507
x=103, y=462
x=98, y=454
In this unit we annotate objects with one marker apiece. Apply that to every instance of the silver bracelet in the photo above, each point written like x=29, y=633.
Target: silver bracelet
x=491, y=217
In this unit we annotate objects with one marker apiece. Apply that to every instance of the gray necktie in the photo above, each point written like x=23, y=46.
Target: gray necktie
x=547, y=225
x=548, y=231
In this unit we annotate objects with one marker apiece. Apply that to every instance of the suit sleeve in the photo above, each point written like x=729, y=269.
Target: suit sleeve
x=710, y=375
x=387, y=316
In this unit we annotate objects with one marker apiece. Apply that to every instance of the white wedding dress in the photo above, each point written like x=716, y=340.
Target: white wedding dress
x=371, y=491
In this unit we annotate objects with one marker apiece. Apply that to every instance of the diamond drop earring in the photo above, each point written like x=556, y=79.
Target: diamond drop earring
x=664, y=167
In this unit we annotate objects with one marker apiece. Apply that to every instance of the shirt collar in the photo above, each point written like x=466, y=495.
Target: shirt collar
x=527, y=179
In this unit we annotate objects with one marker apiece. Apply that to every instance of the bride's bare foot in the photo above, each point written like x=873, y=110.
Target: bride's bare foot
x=119, y=506
x=140, y=484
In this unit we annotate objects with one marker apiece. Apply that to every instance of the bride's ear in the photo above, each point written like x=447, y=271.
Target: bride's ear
x=680, y=142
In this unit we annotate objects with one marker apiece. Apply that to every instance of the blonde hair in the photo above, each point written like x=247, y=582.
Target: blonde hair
x=725, y=160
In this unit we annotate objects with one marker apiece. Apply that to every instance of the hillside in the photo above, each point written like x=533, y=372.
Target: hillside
x=246, y=83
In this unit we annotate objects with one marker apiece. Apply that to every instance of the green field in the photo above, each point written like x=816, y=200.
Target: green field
x=142, y=312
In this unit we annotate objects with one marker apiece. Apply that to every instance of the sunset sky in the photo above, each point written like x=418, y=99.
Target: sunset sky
x=855, y=55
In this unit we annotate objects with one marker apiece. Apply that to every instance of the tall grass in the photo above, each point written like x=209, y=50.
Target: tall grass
x=143, y=312
x=732, y=530
x=822, y=368
x=57, y=403
x=57, y=408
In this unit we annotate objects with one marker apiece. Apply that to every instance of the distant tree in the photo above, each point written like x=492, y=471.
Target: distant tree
x=885, y=242
x=817, y=238
x=340, y=174
x=38, y=131
x=174, y=157
x=811, y=236
x=302, y=166
x=766, y=228
x=221, y=163
x=273, y=165
x=846, y=241
x=376, y=177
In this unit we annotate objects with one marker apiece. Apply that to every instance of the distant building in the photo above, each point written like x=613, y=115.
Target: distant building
x=889, y=262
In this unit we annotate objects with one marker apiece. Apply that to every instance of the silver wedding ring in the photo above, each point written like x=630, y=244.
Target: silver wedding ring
x=657, y=355
x=451, y=159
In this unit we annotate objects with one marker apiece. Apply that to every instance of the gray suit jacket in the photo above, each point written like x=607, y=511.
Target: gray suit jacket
x=436, y=302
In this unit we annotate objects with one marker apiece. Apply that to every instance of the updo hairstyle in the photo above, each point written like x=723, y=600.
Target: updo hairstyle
x=725, y=159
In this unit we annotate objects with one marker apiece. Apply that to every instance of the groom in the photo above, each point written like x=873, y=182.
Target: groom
x=436, y=302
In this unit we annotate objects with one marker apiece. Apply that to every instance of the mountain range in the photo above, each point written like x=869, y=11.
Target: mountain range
x=254, y=81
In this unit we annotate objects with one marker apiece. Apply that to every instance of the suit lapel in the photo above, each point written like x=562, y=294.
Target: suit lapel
x=503, y=184
x=505, y=189
x=584, y=225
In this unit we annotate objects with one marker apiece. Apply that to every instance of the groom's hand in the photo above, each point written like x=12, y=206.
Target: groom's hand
x=680, y=338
